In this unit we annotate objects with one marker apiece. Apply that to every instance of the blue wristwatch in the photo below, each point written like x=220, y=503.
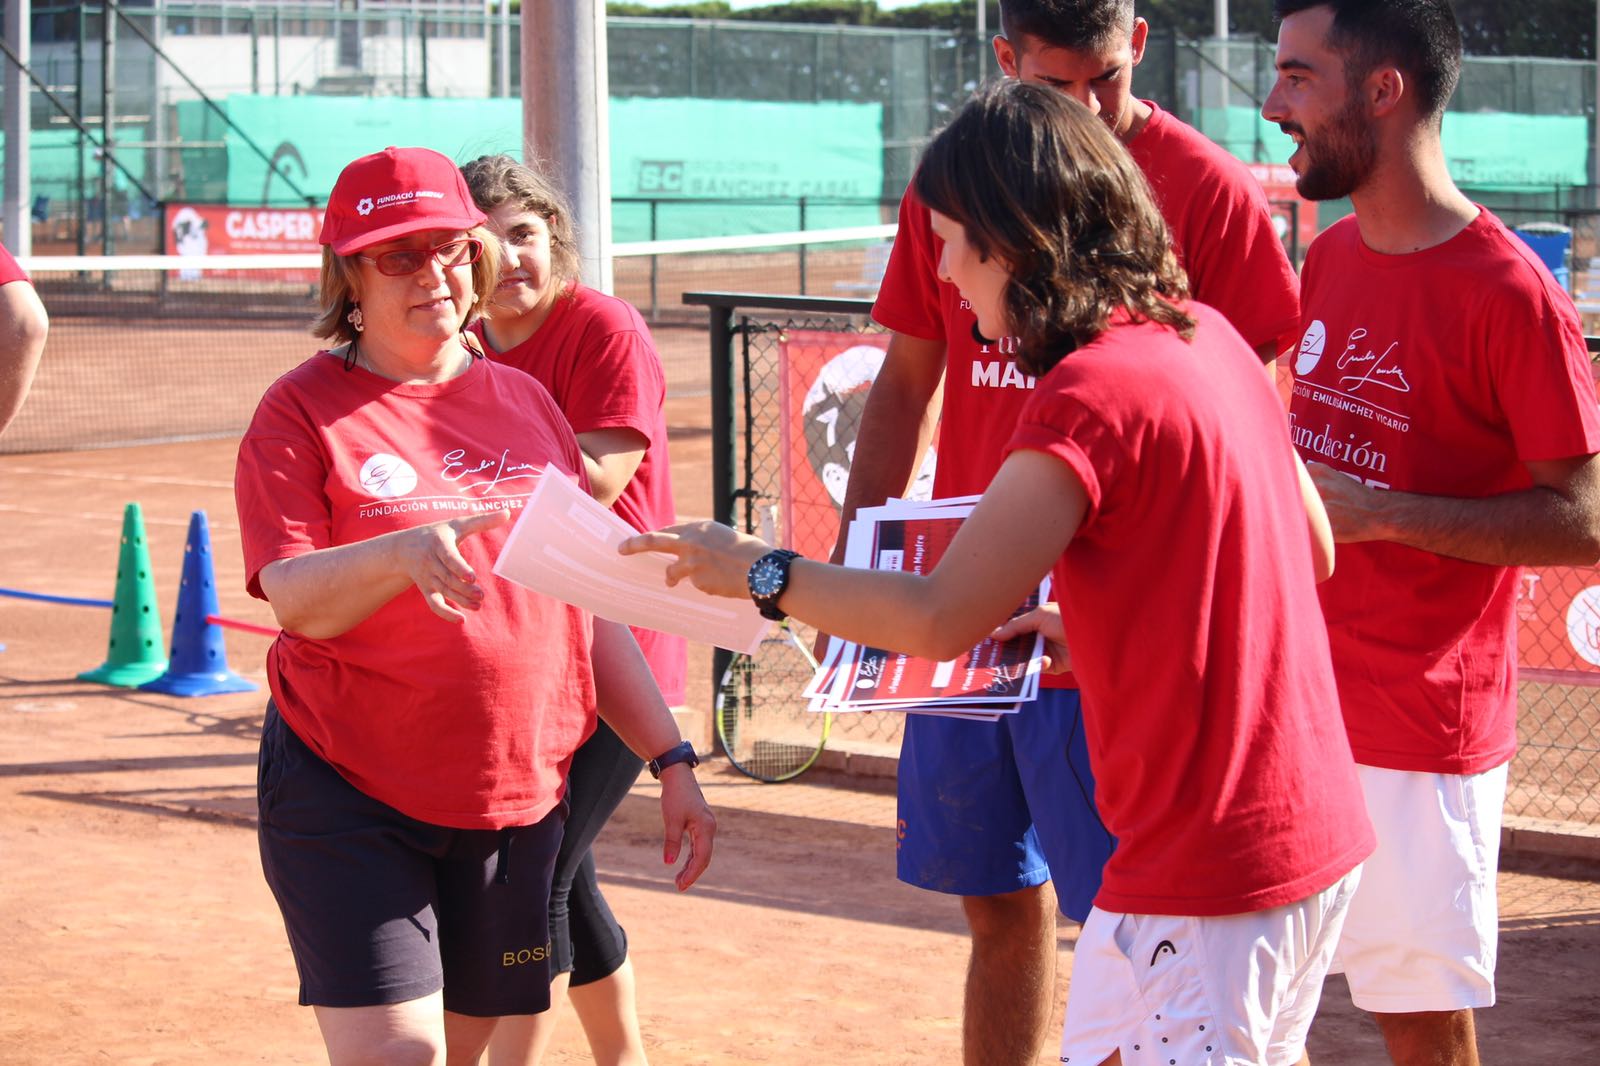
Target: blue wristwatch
x=768, y=577
x=684, y=752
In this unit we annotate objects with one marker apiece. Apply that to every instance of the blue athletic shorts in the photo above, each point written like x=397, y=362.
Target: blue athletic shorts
x=988, y=808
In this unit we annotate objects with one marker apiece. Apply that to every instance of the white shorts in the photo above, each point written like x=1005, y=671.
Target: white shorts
x=1237, y=990
x=1423, y=930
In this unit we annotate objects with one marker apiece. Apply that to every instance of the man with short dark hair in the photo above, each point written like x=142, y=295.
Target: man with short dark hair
x=1445, y=400
x=23, y=326
x=1002, y=814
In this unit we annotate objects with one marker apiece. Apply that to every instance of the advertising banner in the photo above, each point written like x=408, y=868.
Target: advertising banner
x=213, y=230
x=1558, y=609
x=824, y=378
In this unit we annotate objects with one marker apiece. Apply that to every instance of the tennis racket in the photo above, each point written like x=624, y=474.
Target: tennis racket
x=762, y=720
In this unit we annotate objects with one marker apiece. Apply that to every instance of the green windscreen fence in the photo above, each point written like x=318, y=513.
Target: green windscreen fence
x=1484, y=150
x=679, y=153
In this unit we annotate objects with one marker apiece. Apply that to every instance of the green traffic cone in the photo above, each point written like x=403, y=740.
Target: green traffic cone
x=136, y=654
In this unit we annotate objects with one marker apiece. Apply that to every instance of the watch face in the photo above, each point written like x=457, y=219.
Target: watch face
x=766, y=579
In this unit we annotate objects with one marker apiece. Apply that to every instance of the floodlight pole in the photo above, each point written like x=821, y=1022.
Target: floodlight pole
x=18, y=130
x=983, y=39
x=505, y=48
x=564, y=121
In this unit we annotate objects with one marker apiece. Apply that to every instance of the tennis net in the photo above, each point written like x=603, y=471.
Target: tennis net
x=154, y=349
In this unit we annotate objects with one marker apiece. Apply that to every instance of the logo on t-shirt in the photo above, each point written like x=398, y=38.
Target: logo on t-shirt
x=1312, y=345
x=388, y=477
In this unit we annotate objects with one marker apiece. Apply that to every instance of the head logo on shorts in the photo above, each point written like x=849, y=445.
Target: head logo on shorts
x=1311, y=348
x=387, y=477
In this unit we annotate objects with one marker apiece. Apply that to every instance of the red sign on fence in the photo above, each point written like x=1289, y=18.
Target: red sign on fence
x=824, y=378
x=1559, y=611
x=1290, y=211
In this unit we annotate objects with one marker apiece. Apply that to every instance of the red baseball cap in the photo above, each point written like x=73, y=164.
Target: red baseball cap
x=395, y=192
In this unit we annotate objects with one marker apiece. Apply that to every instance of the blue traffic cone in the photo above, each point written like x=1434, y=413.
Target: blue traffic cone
x=134, y=654
x=199, y=661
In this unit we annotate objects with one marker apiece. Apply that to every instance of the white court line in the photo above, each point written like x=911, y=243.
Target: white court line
x=193, y=483
x=107, y=516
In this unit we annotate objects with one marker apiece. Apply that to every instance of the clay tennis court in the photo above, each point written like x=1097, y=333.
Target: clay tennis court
x=136, y=927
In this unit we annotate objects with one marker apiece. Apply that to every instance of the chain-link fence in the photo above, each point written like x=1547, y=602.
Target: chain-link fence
x=784, y=419
x=1556, y=774
x=767, y=431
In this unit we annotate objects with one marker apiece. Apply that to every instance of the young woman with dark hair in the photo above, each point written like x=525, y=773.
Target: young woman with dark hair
x=1151, y=472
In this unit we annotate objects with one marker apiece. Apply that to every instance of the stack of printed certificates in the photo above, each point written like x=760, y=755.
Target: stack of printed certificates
x=992, y=679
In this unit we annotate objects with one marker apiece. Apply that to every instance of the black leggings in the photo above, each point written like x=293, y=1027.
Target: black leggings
x=584, y=934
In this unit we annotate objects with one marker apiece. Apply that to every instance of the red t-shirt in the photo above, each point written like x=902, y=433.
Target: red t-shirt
x=10, y=269
x=471, y=726
x=1218, y=218
x=1440, y=372
x=1212, y=214
x=595, y=355
x=1222, y=229
x=1190, y=605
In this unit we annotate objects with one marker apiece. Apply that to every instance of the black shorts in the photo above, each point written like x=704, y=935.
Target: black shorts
x=381, y=908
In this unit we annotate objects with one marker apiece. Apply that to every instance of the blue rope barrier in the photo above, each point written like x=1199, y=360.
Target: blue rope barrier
x=74, y=601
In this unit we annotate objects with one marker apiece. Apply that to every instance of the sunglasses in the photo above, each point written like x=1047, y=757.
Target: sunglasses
x=410, y=260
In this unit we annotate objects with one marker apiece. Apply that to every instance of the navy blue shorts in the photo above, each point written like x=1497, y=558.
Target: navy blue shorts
x=988, y=808
x=381, y=908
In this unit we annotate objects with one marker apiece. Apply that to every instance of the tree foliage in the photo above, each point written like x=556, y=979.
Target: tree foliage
x=1564, y=28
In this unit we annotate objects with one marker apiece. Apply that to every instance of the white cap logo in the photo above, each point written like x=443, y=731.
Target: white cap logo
x=388, y=477
x=1311, y=348
x=364, y=206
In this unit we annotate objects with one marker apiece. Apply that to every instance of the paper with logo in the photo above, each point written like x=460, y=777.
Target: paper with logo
x=993, y=678
x=565, y=545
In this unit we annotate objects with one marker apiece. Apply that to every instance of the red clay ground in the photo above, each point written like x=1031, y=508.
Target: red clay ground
x=137, y=929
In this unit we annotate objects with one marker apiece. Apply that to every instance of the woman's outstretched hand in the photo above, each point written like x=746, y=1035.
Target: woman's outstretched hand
x=712, y=557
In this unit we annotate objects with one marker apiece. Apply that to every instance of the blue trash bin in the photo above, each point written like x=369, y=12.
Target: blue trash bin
x=1551, y=242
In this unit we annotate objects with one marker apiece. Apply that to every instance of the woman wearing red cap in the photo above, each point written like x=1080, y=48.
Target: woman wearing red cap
x=424, y=713
x=595, y=355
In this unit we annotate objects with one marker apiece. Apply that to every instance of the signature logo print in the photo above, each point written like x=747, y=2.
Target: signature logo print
x=364, y=206
x=388, y=477
x=1312, y=345
x=497, y=470
x=1370, y=368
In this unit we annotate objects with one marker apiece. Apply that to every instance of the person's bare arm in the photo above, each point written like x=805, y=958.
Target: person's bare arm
x=330, y=591
x=1317, y=525
x=1012, y=538
x=1556, y=522
x=23, y=327
x=631, y=704
x=896, y=425
x=610, y=458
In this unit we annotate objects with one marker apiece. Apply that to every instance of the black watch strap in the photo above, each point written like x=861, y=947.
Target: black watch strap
x=768, y=577
x=684, y=752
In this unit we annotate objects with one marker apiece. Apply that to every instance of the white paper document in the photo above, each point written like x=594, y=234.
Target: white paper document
x=564, y=545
